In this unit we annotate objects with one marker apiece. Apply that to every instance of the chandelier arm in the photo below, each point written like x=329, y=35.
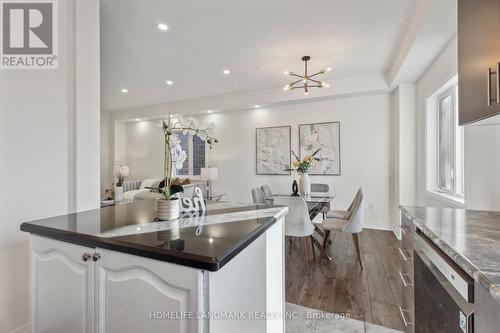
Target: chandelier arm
x=297, y=87
x=318, y=73
x=315, y=81
x=295, y=82
x=316, y=86
x=297, y=75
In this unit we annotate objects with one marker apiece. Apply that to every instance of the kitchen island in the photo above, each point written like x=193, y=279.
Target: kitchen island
x=468, y=240
x=119, y=269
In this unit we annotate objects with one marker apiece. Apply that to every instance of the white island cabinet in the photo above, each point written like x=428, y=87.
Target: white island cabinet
x=85, y=289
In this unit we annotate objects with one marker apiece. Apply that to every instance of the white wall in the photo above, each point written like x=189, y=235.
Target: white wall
x=403, y=149
x=144, y=149
x=42, y=159
x=482, y=143
x=364, y=150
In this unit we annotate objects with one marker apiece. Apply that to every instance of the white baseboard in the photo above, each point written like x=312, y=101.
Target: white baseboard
x=22, y=329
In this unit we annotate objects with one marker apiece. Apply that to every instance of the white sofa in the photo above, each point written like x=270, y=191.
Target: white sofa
x=135, y=190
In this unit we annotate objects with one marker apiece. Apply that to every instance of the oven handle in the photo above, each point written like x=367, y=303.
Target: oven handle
x=406, y=284
x=405, y=321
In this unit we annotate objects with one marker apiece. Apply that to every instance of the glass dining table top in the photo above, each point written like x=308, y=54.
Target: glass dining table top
x=312, y=200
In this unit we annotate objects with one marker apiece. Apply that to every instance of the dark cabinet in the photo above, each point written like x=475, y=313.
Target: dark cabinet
x=478, y=59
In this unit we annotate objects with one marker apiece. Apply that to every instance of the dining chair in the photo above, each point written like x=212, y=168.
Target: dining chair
x=343, y=213
x=321, y=188
x=352, y=224
x=258, y=196
x=297, y=222
x=268, y=194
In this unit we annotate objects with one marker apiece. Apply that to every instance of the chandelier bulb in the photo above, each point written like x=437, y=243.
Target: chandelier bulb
x=329, y=69
x=286, y=72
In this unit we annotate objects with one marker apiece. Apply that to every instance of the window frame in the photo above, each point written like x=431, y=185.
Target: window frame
x=456, y=195
x=190, y=157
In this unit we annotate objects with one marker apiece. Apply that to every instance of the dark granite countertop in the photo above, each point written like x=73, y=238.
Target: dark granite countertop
x=206, y=241
x=471, y=238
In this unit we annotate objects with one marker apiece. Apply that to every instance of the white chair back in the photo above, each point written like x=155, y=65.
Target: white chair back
x=267, y=191
x=318, y=187
x=357, y=214
x=297, y=221
x=258, y=196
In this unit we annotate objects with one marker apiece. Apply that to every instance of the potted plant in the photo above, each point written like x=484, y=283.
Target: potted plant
x=168, y=207
x=302, y=166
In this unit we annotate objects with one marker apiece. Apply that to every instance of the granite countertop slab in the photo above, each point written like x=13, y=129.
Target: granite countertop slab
x=471, y=238
x=206, y=240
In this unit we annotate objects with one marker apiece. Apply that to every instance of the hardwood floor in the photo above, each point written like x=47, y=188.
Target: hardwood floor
x=372, y=294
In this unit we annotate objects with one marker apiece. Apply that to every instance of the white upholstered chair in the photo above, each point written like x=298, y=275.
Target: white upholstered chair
x=341, y=214
x=351, y=223
x=268, y=194
x=297, y=221
x=258, y=196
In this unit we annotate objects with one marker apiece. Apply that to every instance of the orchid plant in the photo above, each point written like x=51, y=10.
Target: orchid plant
x=303, y=165
x=178, y=124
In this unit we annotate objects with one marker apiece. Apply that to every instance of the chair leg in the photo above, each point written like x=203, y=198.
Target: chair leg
x=356, y=245
x=323, y=248
x=305, y=252
x=312, y=247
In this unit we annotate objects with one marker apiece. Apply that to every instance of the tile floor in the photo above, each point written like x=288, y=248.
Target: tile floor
x=307, y=320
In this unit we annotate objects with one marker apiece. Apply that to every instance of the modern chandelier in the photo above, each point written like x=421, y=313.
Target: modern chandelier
x=306, y=81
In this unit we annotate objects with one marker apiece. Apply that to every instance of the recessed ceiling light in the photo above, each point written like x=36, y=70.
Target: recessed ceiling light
x=125, y=91
x=137, y=119
x=162, y=27
x=169, y=82
x=211, y=240
x=209, y=111
x=226, y=72
x=256, y=106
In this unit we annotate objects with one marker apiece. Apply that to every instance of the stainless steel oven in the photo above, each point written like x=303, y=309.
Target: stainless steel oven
x=444, y=293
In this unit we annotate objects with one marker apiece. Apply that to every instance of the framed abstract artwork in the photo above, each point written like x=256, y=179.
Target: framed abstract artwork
x=272, y=147
x=324, y=136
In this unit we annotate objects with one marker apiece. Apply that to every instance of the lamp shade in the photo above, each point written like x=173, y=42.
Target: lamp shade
x=121, y=170
x=209, y=173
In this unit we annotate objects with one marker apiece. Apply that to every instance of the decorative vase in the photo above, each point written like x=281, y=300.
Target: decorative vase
x=118, y=193
x=168, y=209
x=305, y=184
x=295, y=188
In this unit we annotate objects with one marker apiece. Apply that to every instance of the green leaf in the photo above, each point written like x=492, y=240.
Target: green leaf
x=176, y=189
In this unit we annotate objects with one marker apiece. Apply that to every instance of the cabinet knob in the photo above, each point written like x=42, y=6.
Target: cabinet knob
x=96, y=256
x=86, y=256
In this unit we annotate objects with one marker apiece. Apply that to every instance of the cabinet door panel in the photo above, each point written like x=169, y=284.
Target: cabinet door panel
x=61, y=287
x=137, y=294
x=478, y=50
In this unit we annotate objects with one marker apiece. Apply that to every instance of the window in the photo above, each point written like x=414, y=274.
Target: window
x=445, y=145
x=195, y=151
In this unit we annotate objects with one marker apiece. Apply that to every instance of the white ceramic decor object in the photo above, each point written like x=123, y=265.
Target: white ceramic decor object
x=196, y=204
x=168, y=209
x=305, y=184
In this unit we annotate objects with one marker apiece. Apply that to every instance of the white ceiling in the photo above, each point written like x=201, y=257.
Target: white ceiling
x=255, y=39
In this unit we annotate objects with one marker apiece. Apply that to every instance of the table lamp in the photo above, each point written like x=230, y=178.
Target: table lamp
x=209, y=174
